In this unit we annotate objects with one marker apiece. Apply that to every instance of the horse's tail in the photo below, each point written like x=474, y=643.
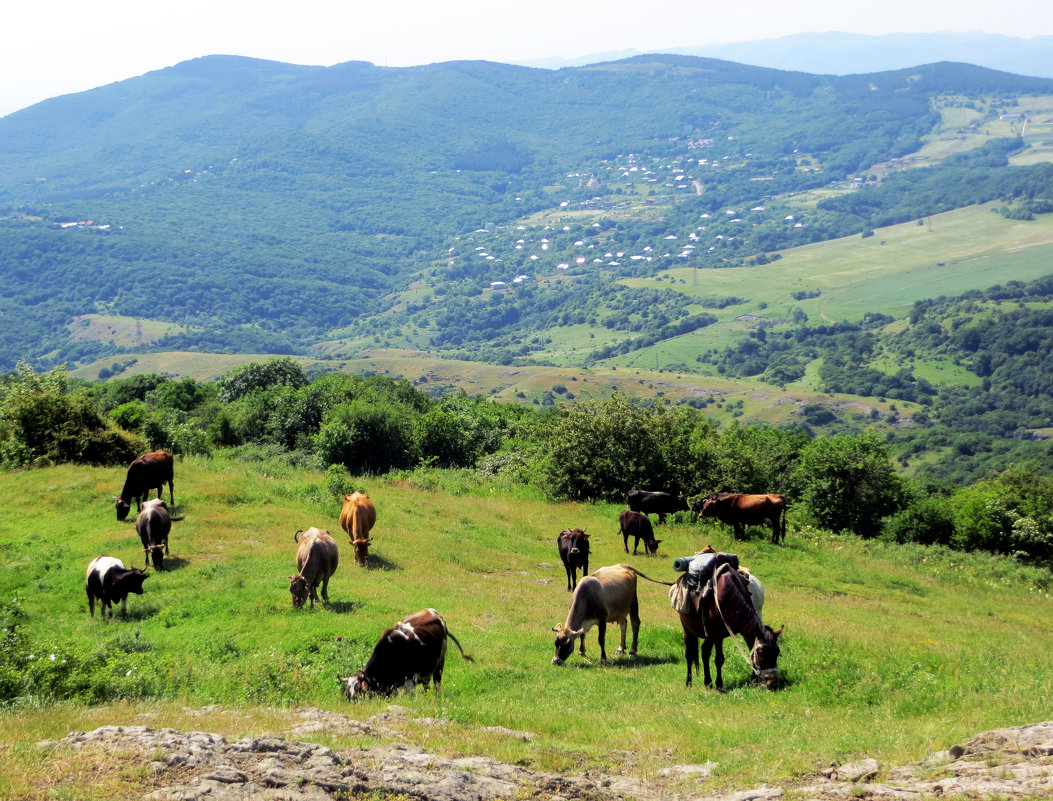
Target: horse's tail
x=641, y=575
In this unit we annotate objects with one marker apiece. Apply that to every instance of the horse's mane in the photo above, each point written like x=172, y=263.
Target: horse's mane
x=735, y=601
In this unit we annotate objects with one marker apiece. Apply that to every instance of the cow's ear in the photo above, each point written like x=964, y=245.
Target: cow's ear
x=292, y=577
x=583, y=532
x=555, y=628
x=777, y=633
x=578, y=633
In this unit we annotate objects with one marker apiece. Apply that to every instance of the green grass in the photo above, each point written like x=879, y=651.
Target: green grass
x=888, y=651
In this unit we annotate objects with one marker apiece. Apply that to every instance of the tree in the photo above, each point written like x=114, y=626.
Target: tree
x=849, y=483
x=247, y=377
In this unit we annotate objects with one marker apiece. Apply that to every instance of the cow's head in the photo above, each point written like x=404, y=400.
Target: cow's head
x=357, y=685
x=708, y=507
x=299, y=590
x=157, y=556
x=652, y=547
x=122, y=508
x=361, y=547
x=565, y=643
x=577, y=539
x=765, y=655
x=133, y=580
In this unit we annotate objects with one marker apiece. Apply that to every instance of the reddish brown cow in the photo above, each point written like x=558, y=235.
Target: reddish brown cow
x=150, y=470
x=740, y=510
x=357, y=518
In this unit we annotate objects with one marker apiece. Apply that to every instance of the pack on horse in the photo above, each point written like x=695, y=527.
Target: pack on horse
x=729, y=611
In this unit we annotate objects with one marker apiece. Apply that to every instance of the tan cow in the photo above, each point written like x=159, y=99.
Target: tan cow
x=607, y=595
x=357, y=518
x=316, y=559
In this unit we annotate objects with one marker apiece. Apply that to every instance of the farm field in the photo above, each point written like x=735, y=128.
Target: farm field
x=890, y=652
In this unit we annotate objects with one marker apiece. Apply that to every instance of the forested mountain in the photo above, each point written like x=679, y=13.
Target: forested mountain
x=266, y=207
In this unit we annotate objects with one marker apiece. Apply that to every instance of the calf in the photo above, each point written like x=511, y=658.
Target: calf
x=148, y=471
x=110, y=581
x=411, y=652
x=637, y=525
x=656, y=503
x=607, y=595
x=573, y=544
x=357, y=518
x=153, y=526
x=739, y=510
x=316, y=559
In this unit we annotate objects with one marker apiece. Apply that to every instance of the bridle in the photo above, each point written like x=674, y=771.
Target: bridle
x=766, y=673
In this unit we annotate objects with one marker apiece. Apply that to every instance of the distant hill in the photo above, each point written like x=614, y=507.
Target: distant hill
x=835, y=53
x=234, y=205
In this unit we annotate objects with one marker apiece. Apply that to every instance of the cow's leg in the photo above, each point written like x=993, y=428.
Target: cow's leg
x=601, y=635
x=325, y=590
x=124, y=607
x=634, y=618
x=572, y=578
x=437, y=675
x=690, y=653
x=625, y=541
x=91, y=603
x=622, y=625
x=707, y=649
x=636, y=544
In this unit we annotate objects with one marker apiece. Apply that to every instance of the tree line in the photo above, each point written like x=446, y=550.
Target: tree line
x=350, y=424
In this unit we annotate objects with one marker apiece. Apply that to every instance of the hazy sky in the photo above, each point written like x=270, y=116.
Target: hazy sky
x=60, y=46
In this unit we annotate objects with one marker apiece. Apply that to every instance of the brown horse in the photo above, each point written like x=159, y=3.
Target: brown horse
x=731, y=603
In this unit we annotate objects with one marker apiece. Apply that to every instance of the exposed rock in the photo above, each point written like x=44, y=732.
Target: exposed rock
x=1007, y=764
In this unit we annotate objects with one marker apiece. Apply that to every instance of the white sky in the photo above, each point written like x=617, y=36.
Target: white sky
x=58, y=47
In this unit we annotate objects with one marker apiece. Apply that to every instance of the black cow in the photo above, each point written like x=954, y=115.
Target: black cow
x=656, y=503
x=410, y=652
x=153, y=526
x=573, y=544
x=637, y=525
x=148, y=471
x=110, y=581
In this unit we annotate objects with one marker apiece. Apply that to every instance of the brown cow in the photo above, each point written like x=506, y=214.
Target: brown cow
x=316, y=559
x=150, y=470
x=637, y=525
x=573, y=545
x=740, y=510
x=153, y=526
x=357, y=517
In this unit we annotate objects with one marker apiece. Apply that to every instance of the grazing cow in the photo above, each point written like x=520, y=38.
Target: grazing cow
x=153, y=526
x=110, y=581
x=573, y=544
x=637, y=525
x=740, y=510
x=316, y=559
x=357, y=517
x=607, y=595
x=411, y=652
x=656, y=503
x=148, y=471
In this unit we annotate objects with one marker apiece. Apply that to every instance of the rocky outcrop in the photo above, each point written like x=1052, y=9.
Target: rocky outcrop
x=1005, y=764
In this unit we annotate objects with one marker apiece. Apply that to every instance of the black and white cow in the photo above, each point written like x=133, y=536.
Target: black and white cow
x=411, y=652
x=110, y=581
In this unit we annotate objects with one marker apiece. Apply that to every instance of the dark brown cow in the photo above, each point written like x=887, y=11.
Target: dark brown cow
x=656, y=503
x=153, y=526
x=637, y=525
x=740, y=510
x=357, y=518
x=573, y=544
x=411, y=652
x=148, y=471
x=110, y=581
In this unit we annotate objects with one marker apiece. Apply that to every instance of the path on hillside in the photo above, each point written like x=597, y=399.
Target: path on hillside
x=1006, y=764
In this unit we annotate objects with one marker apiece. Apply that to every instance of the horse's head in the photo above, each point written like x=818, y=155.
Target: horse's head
x=765, y=656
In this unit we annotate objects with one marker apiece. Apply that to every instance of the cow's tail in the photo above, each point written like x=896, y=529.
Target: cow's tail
x=459, y=648
x=296, y=536
x=641, y=575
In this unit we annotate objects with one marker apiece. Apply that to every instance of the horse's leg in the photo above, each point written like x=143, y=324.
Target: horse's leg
x=690, y=653
x=718, y=660
x=707, y=649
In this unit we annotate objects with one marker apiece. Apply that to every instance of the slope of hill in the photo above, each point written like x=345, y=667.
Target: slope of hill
x=258, y=206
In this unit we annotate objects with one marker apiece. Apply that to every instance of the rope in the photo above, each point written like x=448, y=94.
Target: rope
x=716, y=598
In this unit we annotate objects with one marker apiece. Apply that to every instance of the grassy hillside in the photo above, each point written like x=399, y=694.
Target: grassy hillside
x=888, y=651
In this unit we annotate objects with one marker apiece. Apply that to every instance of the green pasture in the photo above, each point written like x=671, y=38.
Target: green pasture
x=890, y=652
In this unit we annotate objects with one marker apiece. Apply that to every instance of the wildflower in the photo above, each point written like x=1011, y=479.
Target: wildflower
x=52, y=657
x=338, y=639
x=129, y=672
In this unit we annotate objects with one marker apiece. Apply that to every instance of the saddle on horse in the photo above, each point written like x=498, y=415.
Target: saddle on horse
x=692, y=593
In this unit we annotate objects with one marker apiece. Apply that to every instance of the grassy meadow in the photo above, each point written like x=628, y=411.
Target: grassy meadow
x=888, y=651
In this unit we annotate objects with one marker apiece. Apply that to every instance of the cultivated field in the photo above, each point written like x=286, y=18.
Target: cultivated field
x=888, y=652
